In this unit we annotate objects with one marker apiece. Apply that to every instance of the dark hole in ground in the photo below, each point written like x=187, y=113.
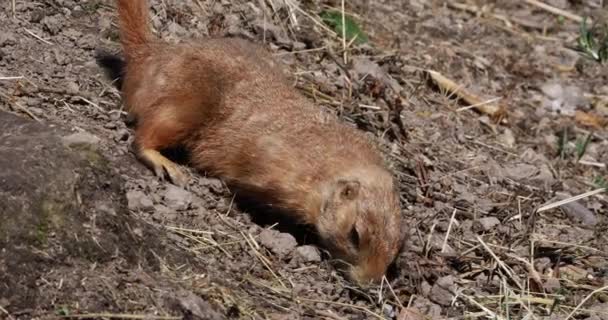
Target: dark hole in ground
x=265, y=216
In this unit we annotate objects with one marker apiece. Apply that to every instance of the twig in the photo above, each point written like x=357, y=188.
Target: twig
x=571, y=199
x=11, y=78
x=263, y=260
x=19, y=106
x=447, y=234
x=495, y=111
x=120, y=316
x=585, y=300
x=478, y=104
x=393, y=292
x=6, y=312
x=344, y=34
x=555, y=10
x=37, y=36
x=345, y=305
x=486, y=310
x=502, y=265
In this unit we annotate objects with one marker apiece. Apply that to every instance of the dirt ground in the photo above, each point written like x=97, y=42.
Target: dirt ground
x=483, y=243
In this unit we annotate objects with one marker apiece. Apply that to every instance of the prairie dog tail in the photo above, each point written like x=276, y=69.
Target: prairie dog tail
x=134, y=26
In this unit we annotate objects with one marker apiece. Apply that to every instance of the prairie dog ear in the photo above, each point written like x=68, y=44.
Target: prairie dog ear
x=348, y=189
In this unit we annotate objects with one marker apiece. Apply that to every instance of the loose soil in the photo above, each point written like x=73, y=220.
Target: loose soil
x=471, y=186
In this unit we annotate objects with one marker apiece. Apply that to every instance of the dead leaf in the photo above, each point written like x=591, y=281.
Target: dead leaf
x=495, y=111
x=573, y=273
x=590, y=119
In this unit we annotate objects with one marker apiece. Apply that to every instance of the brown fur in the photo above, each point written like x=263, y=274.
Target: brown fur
x=230, y=106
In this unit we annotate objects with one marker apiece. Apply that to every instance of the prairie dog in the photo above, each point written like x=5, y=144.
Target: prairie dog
x=227, y=102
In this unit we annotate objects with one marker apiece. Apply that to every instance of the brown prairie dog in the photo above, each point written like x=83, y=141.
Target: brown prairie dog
x=230, y=106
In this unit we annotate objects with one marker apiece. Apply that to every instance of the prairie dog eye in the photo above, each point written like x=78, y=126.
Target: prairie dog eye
x=354, y=237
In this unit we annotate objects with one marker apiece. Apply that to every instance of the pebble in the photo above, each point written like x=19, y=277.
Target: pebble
x=441, y=292
x=486, y=224
x=277, y=242
x=137, y=200
x=308, y=253
x=81, y=138
x=177, y=198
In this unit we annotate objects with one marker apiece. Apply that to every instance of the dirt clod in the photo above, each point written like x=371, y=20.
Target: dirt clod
x=278, y=242
x=137, y=200
x=486, y=223
x=177, y=198
x=308, y=253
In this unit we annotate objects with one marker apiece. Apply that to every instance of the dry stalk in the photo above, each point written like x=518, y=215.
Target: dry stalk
x=119, y=316
x=6, y=312
x=19, y=106
x=31, y=33
x=348, y=305
x=569, y=200
x=263, y=259
x=447, y=234
x=556, y=11
x=495, y=111
x=585, y=300
x=489, y=312
x=502, y=265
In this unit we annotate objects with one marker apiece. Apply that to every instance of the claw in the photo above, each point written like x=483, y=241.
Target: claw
x=162, y=167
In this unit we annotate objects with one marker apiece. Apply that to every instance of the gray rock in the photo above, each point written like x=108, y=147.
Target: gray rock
x=486, y=223
x=137, y=200
x=579, y=213
x=277, y=242
x=442, y=291
x=80, y=139
x=552, y=285
x=308, y=253
x=62, y=210
x=194, y=306
x=177, y=198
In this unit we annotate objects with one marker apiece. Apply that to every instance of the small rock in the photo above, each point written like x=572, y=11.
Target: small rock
x=363, y=66
x=177, y=198
x=72, y=87
x=563, y=99
x=486, y=224
x=388, y=311
x=521, y=171
x=441, y=292
x=137, y=200
x=277, y=242
x=552, y=285
x=410, y=314
x=577, y=212
x=106, y=208
x=195, y=307
x=81, y=138
x=507, y=138
x=110, y=125
x=428, y=308
x=308, y=253
x=573, y=273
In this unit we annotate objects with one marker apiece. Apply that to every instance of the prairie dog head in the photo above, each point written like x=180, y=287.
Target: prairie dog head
x=360, y=222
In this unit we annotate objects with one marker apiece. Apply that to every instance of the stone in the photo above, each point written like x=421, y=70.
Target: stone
x=277, y=242
x=486, y=223
x=442, y=291
x=308, y=253
x=139, y=201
